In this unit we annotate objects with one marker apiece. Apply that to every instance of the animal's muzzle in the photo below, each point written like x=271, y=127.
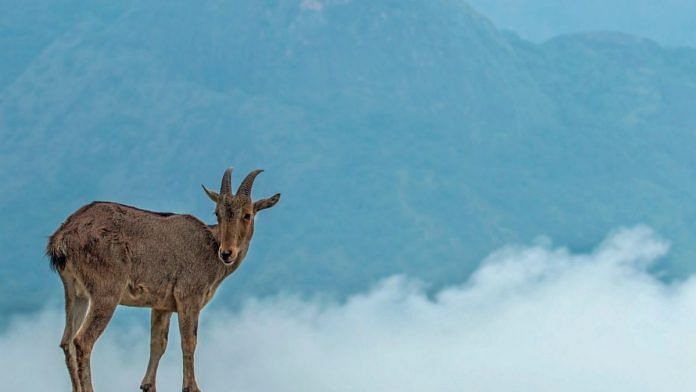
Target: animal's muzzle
x=228, y=256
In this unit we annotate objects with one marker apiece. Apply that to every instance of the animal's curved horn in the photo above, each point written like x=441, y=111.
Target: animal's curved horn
x=245, y=186
x=226, y=185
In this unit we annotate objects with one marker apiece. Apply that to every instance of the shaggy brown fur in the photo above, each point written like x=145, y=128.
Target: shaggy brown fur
x=110, y=254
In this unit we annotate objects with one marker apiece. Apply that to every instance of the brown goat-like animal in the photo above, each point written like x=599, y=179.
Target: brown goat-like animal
x=109, y=254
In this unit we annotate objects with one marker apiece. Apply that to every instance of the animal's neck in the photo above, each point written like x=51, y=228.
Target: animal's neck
x=215, y=232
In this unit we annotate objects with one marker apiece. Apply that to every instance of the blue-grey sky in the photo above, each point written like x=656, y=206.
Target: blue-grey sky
x=669, y=22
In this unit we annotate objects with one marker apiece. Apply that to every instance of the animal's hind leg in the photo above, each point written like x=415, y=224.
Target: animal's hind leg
x=101, y=308
x=75, y=308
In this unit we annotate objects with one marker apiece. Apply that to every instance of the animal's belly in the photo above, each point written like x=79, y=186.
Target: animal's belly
x=139, y=295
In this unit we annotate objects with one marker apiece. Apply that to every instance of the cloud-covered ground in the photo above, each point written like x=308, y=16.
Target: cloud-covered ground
x=535, y=318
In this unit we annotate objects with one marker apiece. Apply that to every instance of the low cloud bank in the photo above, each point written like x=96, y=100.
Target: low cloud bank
x=533, y=318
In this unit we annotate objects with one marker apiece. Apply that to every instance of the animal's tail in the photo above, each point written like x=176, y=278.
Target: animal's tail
x=57, y=251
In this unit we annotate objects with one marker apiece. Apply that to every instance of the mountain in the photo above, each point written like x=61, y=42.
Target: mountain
x=406, y=136
x=669, y=21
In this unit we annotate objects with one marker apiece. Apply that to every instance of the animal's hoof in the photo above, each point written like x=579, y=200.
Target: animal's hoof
x=190, y=389
x=148, y=388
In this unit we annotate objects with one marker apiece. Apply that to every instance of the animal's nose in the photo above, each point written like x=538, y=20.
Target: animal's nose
x=229, y=254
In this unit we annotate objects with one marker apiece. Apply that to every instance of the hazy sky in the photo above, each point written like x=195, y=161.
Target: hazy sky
x=534, y=318
x=669, y=22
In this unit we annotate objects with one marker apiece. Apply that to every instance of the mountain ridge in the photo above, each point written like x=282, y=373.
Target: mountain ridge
x=406, y=137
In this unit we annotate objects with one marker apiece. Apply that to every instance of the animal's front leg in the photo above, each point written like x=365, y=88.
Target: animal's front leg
x=159, y=329
x=188, y=327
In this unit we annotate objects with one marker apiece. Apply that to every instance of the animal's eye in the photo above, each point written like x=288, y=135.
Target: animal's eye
x=247, y=217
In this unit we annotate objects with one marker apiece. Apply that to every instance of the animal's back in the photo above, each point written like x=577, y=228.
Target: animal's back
x=105, y=232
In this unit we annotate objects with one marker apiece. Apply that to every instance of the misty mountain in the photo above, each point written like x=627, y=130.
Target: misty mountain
x=668, y=21
x=406, y=137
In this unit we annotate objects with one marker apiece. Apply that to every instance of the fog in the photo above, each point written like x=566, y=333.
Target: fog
x=531, y=318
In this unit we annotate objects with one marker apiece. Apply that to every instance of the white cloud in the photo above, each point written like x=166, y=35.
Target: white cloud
x=530, y=319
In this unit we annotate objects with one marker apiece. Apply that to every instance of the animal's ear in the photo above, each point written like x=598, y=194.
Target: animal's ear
x=212, y=195
x=266, y=203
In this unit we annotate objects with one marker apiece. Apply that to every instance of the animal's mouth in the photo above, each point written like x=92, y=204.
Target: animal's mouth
x=228, y=262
